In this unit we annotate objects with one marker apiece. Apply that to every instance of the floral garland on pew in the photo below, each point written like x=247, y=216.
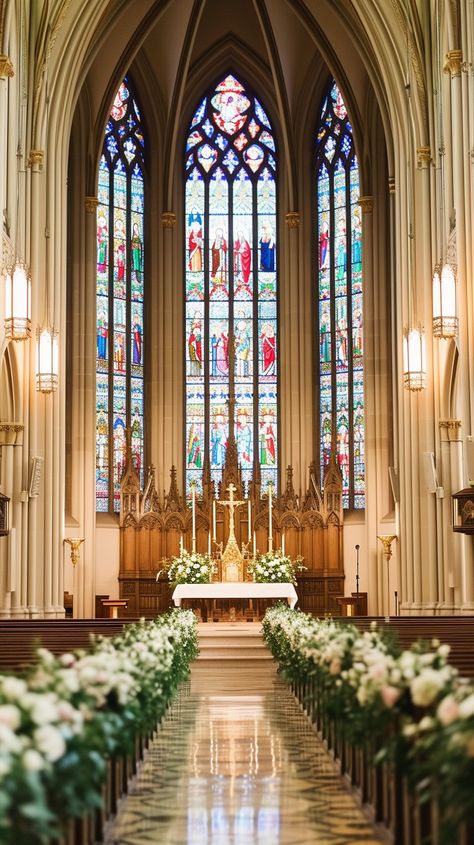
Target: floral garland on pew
x=60, y=723
x=409, y=706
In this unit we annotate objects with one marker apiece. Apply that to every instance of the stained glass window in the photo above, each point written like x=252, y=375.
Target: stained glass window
x=231, y=285
x=120, y=292
x=339, y=295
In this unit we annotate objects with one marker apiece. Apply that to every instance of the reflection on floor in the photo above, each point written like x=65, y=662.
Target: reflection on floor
x=236, y=763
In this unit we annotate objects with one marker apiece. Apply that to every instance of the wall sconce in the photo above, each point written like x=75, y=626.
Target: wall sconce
x=445, y=321
x=47, y=360
x=4, y=515
x=414, y=359
x=18, y=302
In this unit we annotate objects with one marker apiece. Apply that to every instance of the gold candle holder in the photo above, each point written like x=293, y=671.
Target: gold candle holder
x=387, y=540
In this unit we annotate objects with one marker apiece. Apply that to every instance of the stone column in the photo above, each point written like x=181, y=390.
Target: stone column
x=10, y=549
x=296, y=387
x=451, y=575
x=6, y=72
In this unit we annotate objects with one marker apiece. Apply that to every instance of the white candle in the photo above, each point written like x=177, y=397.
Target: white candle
x=250, y=520
x=283, y=542
x=181, y=544
x=214, y=535
x=209, y=544
x=254, y=544
x=193, y=502
x=270, y=523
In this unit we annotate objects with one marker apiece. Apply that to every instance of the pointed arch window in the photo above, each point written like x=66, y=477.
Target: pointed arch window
x=231, y=285
x=339, y=298
x=120, y=298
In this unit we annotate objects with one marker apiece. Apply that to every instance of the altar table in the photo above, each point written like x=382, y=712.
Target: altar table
x=235, y=590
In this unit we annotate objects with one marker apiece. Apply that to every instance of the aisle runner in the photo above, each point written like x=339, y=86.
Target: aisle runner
x=236, y=770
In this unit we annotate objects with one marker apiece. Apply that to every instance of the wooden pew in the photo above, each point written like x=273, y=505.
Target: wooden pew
x=19, y=638
x=457, y=631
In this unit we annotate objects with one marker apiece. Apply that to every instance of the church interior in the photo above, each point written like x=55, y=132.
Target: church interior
x=237, y=259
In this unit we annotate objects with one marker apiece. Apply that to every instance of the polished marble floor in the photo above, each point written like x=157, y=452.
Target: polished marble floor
x=236, y=763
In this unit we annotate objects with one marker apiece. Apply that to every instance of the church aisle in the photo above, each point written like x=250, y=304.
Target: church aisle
x=236, y=763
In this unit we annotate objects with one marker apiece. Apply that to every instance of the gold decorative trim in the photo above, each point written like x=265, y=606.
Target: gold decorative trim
x=10, y=432
x=453, y=428
x=6, y=67
x=292, y=219
x=11, y=427
x=366, y=203
x=90, y=204
x=391, y=184
x=168, y=220
x=453, y=63
x=424, y=156
x=36, y=159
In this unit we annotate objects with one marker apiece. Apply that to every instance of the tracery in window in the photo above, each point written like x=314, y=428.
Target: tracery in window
x=231, y=285
x=120, y=297
x=339, y=293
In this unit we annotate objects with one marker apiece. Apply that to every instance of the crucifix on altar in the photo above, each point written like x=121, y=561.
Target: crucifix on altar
x=232, y=558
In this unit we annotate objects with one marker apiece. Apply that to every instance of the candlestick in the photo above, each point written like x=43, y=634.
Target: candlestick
x=209, y=544
x=283, y=542
x=270, y=523
x=214, y=535
x=181, y=544
x=254, y=544
x=193, y=503
x=249, y=535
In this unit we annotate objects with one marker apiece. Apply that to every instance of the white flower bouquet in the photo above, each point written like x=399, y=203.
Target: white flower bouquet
x=189, y=568
x=274, y=568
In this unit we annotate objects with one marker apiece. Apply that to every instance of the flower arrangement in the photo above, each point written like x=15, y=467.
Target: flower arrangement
x=189, y=568
x=274, y=567
x=63, y=719
x=408, y=706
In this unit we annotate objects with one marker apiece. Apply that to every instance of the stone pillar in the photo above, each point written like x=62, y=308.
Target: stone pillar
x=6, y=72
x=296, y=388
x=170, y=372
x=10, y=571
x=451, y=574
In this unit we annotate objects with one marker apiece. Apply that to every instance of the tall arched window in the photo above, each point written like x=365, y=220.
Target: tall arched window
x=339, y=292
x=231, y=285
x=120, y=289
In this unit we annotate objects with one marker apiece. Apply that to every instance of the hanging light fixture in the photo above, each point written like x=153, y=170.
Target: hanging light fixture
x=445, y=321
x=18, y=302
x=414, y=359
x=47, y=360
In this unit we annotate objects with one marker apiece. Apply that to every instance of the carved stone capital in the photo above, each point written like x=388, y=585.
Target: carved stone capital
x=453, y=63
x=391, y=184
x=366, y=203
x=36, y=159
x=90, y=204
x=168, y=220
x=424, y=156
x=6, y=67
x=292, y=219
x=9, y=432
x=452, y=428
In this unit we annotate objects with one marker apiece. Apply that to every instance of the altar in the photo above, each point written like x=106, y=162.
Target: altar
x=235, y=590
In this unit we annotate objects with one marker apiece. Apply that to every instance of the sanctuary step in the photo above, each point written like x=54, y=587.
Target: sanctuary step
x=234, y=641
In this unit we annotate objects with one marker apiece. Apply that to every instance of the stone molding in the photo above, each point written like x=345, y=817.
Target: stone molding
x=36, y=159
x=452, y=428
x=168, y=220
x=90, y=204
x=391, y=185
x=9, y=432
x=292, y=219
x=366, y=203
x=424, y=156
x=6, y=67
x=453, y=63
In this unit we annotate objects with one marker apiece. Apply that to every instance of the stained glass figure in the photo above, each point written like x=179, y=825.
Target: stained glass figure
x=120, y=299
x=339, y=293
x=231, y=286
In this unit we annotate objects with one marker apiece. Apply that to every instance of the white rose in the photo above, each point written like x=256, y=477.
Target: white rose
x=13, y=688
x=426, y=686
x=10, y=716
x=466, y=708
x=9, y=741
x=448, y=710
x=32, y=760
x=50, y=742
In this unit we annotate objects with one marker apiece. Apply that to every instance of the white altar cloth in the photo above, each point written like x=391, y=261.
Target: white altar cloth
x=235, y=590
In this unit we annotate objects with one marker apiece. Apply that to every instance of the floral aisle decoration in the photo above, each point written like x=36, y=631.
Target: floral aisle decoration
x=189, y=568
x=274, y=567
x=410, y=707
x=61, y=722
